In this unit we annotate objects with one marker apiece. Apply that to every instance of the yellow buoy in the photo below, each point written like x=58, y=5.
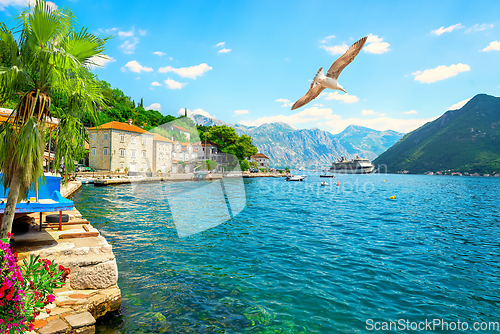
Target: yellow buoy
x=392, y=197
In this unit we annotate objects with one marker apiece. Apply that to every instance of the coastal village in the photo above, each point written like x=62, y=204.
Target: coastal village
x=83, y=247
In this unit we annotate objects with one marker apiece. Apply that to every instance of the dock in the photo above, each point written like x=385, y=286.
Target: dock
x=91, y=290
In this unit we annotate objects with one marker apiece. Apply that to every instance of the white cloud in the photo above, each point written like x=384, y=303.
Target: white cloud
x=368, y=112
x=22, y=3
x=373, y=39
x=155, y=83
x=126, y=33
x=159, y=53
x=172, y=84
x=493, y=46
x=377, y=48
x=101, y=62
x=286, y=103
x=318, y=104
x=409, y=112
x=241, y=112
x=327, y=38
x=345, y=98
x=198, y=111
x=154, y=106
x=134, y=66
x=142, y=32
x=336, y=50
x=335, y=123
x=459, y=105
x=224, y=50
x=440, y=73
x=187, y=72
x=376, y=45
x=105, y=31
x=479, y=27
x=220, y=44
x=442, y=30
x=128, y=46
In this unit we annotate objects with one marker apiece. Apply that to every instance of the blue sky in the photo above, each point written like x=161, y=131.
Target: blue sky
x=247, y=61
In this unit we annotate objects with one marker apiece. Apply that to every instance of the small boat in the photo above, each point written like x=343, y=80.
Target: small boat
x=327, y=175
x=296, y=178
x=324, y=184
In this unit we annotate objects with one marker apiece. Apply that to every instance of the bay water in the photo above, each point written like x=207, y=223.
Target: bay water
x=306, y=258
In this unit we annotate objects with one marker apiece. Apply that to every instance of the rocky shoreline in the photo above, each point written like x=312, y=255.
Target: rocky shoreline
x=91, y=291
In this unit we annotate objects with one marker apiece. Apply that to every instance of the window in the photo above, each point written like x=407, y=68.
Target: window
x=143, y=140
x=143, y=166
x=122, y=165
x=122, y=152
x=143, y=154
x=133, y=153
x=94, y=137
x=173, y=155
x=133, y=139
x=122, y=137
x=93, y=151
x=161, y=155
x=106, y=151
x=105, y=136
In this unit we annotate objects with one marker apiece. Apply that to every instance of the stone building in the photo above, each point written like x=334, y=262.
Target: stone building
x=261, y=159
x=162, y=154
x=179, y=129
x=184, y=157
x=119, y=146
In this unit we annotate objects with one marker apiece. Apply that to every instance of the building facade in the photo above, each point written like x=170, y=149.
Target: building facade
x=179, y=129
x=261, y=159
x=162, y=154
x=117, y=146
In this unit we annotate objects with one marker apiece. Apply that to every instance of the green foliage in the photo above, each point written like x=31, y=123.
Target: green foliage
x=208, y=165
x=228, y=141
x=244, y=165
x=466, y=140
x=49, y=59
x=287, y=170
x=254, y=164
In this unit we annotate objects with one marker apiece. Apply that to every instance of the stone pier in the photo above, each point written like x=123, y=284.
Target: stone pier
x=91, y=290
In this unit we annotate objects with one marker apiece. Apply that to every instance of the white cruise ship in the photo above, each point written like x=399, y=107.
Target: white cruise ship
x=356, y=166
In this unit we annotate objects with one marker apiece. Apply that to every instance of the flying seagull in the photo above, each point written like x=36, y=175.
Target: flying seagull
x=321, y=81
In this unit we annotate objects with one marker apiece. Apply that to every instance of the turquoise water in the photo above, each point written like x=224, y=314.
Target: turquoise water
x=301, y=258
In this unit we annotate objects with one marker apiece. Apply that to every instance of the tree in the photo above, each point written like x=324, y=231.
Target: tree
x=228, y=141
x=254, y=164
x=208, y=165
x=244, y=165
x=50, y=57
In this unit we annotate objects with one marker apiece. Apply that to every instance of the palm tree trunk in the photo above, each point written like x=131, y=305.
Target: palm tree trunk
x=10, y=207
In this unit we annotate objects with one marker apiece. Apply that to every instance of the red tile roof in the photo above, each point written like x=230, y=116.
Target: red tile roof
x=120, y=126
x=180, y=128
x=259, y=155
x=158, y=137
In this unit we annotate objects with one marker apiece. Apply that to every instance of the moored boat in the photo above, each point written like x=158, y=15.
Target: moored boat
x=355, y=166
x=296, y=178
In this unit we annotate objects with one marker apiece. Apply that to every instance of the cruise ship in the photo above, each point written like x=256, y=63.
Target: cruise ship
x=356, y=166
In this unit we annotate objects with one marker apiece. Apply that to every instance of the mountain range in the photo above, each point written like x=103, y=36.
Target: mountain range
x=289, y=147
x=466, y=140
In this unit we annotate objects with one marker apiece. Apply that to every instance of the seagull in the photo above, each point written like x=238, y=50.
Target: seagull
x=321, y=81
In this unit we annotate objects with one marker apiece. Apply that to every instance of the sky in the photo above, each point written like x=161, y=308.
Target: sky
x=248, y=61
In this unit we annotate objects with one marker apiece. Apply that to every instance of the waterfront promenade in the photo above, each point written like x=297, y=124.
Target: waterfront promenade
x=92, y=290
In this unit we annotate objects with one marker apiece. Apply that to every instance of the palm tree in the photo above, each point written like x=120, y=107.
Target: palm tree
x=50, y=56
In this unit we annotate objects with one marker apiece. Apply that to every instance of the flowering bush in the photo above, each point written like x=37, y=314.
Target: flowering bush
x=25, y=290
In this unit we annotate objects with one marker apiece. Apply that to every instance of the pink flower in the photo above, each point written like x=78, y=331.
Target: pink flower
x=51, y=298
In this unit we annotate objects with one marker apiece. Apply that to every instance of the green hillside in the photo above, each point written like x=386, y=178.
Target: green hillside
x=466, y=140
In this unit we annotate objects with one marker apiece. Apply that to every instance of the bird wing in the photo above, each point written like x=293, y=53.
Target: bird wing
x=311, y=94
x=346, y=58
